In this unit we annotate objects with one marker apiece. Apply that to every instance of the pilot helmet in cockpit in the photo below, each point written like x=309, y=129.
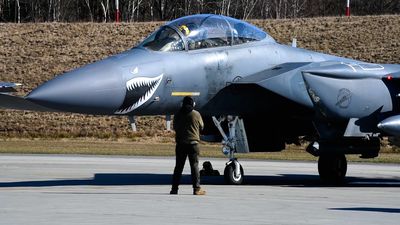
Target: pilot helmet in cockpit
x=184, y=29
x=192, y=33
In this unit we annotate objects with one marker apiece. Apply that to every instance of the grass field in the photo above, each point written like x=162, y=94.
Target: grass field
x=129, y=148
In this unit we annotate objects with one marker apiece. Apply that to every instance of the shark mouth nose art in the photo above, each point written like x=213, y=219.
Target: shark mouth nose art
x=138, y=91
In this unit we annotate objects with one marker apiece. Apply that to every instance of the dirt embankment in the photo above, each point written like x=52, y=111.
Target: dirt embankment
x=33, y=53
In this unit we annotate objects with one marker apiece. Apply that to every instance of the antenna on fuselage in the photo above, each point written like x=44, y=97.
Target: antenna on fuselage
x=294, y=43
x=132, y=121
x=168, y=122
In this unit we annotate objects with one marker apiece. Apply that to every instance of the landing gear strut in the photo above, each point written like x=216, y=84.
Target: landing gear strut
x=233, y=172
x=332, y=168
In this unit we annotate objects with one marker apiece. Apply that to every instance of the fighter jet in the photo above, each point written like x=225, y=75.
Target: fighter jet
x=255, y=94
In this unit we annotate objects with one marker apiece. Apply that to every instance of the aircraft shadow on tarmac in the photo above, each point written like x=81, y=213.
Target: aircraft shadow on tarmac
x=369, y=209
x=294, y=180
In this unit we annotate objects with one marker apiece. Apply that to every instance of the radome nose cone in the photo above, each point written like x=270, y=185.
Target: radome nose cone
x=93, y=89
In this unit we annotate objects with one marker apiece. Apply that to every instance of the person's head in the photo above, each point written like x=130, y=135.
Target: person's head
x=184, y=29
x=188, y=104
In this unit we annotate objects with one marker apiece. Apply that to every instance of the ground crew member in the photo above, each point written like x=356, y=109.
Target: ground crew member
x=187, y=125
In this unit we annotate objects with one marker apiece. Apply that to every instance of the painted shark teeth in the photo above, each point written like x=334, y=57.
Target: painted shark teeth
x=138, y=91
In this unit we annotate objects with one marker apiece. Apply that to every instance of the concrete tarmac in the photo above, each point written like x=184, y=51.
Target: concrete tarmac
x=43, y=189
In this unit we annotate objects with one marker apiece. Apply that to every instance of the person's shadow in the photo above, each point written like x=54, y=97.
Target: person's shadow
x=118, y=179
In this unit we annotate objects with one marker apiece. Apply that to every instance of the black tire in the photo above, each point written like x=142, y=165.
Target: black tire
x=229, y=174
x=332, y=168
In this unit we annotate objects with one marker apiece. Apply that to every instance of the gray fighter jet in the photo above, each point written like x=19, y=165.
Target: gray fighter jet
x=255, y=94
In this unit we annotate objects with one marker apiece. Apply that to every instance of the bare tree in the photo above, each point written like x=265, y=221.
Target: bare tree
x=54, y=10
x=105, y=8
x=18, y=11
x=51, y=5
x=278, y=8
x=134, y=6
x=265, y=9
x=248, y=6
x=225, y=7
x=90, y=10
x=188, y=6
x=297, y=7
x=161, y=7
x=200, y=6
x=145, y=10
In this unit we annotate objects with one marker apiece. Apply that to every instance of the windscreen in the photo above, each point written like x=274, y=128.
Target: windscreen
x=165, y=39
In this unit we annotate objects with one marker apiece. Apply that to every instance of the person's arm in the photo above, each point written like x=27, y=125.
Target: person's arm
x=201, y=123
x=174, y=123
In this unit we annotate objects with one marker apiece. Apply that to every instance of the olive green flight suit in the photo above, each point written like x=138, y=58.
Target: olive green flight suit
x=187, y=127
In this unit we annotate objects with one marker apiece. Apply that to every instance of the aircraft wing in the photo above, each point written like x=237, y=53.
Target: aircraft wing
x=19, y=103
x=284, y=80
x=274, y=89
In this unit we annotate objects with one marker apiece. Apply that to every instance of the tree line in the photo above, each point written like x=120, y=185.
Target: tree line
x=161, y=10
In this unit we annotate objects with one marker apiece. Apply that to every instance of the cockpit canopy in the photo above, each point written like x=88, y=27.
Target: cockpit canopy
x=203, y=31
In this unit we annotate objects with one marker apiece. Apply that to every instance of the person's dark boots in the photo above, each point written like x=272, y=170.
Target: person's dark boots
x=174, y=191
x=199, y=191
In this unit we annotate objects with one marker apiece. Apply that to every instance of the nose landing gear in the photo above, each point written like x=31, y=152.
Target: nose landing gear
x=233, y=173
x=234, y=141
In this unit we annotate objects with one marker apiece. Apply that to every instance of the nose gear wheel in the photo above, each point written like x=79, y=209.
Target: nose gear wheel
x=233, y=173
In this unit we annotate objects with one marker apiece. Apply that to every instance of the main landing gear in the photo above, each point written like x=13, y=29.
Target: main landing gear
x=332, y=163
x=233, y=172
